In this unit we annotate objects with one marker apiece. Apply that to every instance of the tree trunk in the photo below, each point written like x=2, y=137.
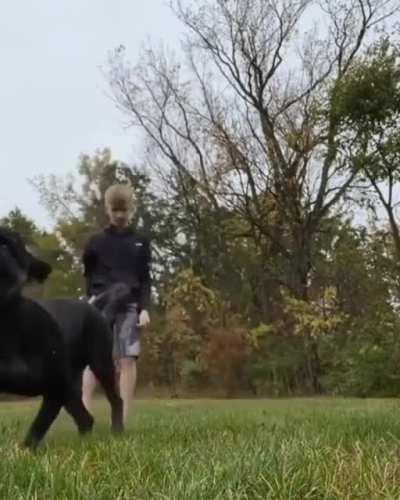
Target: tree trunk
x=302, y=272
x=395, y=231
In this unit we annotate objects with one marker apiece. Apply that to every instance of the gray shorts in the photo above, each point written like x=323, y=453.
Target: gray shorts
x=127, y=334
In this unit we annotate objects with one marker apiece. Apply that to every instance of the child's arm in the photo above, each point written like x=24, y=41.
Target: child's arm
x=145, y=285
x=89, y=258
x=89, y=261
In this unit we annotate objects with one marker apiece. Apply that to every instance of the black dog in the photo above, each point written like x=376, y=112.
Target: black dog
x=45, y=347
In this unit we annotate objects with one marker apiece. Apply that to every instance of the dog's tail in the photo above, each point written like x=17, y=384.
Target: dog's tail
x=113, y=300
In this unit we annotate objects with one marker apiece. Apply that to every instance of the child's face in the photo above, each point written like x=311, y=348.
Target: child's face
x=119, y=215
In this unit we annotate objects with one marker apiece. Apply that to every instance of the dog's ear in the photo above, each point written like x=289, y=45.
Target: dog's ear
x=38, y=270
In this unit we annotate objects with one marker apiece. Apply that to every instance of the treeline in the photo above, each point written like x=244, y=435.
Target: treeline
x=221, y=322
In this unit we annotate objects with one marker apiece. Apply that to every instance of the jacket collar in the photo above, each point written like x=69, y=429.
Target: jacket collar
x=127, y=231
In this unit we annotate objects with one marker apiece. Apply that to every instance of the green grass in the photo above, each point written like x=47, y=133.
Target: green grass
x=287, y=449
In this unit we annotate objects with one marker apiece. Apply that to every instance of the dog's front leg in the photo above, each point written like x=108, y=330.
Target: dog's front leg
x=46, y=416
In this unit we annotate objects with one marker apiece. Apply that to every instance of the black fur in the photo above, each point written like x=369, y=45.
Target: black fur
x=44, y=347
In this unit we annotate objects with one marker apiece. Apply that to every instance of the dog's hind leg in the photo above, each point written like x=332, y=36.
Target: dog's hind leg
x=46, y=416
x=79, y=413
x=75, y=407
x=107, y=381
x=100, y=342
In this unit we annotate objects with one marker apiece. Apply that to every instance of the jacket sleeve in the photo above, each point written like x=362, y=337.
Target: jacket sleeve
x=89, y=260
x=145, y=278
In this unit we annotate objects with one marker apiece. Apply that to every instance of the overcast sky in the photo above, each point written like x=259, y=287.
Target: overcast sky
x=53, y=105
x=52, y=93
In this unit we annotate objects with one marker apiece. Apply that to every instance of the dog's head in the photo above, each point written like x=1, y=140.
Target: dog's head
x=17, y=265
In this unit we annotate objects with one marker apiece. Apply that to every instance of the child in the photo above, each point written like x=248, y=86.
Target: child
x=115, y=256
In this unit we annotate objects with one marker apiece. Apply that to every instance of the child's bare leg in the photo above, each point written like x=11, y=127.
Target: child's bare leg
x=127, y=382
x=89, y=383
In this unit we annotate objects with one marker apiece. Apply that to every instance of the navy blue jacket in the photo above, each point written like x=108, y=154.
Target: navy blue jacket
x=115, y=256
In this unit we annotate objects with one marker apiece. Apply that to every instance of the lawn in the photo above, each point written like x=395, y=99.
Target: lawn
x=211, y=449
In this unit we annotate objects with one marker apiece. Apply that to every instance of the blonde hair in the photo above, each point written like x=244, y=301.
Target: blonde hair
x=120, y=195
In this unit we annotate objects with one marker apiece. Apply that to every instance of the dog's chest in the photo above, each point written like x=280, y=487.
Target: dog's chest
x=19, y=340
x=19, y=376
x=20, y=367
x=11, y=337
x=12, y=367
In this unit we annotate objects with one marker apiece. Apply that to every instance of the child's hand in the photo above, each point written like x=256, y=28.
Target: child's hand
x=144, y=318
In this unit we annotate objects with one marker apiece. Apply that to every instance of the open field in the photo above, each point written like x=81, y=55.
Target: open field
x=209, y=449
